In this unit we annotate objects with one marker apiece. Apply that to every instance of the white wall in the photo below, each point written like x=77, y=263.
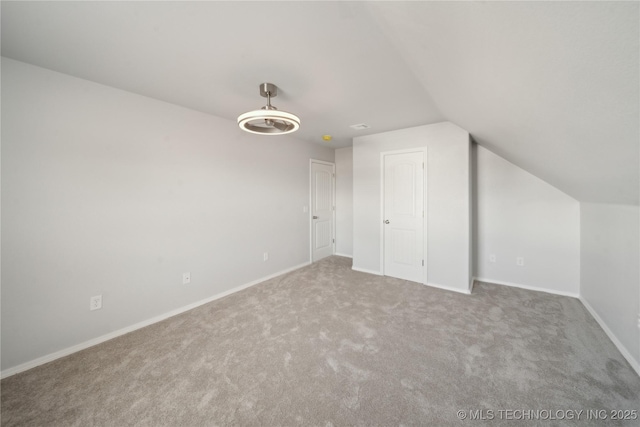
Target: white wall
x=519, y=215
x=344, y=201
x=610, y=272
x=448, y=200
x=107, y=192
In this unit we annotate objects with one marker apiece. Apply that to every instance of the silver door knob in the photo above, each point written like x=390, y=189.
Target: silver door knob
x=315, y=217
x=386, y=221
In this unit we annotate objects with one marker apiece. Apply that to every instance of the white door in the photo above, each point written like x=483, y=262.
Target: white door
x=322, y=210
x=403, y=206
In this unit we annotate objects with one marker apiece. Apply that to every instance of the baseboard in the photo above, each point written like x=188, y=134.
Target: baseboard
x=531, y=288
x=449, y=288
x=78, y=347
x=634, y=363
x=364, y=270
x=343, y=255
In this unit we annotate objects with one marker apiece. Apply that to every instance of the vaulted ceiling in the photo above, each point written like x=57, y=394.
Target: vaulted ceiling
x=552, y=87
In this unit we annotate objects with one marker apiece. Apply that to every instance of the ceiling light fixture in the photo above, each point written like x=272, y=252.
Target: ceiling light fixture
x=269, y=120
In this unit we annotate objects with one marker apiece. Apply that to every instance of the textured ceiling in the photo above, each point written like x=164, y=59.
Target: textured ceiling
x=551, y=86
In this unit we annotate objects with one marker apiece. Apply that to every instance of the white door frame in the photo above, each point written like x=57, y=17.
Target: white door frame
x=422, y=150
x=333, y=201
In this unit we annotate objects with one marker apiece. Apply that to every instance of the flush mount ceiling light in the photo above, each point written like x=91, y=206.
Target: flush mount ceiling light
x=269, y=120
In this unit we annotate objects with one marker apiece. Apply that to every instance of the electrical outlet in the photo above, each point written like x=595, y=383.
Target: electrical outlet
x=520, y=261
x=95, y=303
x=265, y=256
x=492, y=258
x=186, y=278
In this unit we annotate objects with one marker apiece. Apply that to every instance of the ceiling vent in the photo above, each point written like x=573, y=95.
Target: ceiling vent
x=360, y=126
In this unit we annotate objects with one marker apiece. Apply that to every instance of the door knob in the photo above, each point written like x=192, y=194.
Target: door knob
x=386, y=221
x=315, y=217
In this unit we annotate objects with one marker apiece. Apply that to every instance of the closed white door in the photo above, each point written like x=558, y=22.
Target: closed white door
x=403, y=206
x=322, y=210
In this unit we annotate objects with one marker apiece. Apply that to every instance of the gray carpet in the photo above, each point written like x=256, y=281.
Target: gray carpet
x=325, y=345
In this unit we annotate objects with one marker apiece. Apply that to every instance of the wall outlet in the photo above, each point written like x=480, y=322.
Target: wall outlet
x=520, y=261
x=186, y=278
x=95, y=303
x=305, y=209
x=492, y=258
x=265, y=256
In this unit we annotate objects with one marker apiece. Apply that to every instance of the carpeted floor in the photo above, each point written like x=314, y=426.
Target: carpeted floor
x=325, y=345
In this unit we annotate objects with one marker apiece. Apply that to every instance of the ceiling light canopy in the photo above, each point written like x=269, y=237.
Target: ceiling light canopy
x=269, y=120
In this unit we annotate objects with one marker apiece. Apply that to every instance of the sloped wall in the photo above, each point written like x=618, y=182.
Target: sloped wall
x=517, y=215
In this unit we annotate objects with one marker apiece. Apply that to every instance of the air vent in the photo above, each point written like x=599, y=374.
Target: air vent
x=360, y=126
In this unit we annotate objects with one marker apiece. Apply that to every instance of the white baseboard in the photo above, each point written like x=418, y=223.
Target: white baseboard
x=449, y=288
x=78, y=347
x=343, y=255
x=364, y=270
x=634, y=363
x=531, y=288
x=473, y=280
x=435, y=285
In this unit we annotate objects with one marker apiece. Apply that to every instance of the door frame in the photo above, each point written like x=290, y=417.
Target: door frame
x=425, y=227
x=310, y=208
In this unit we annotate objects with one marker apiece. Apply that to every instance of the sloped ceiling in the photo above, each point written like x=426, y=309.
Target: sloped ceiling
x=551, y=86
